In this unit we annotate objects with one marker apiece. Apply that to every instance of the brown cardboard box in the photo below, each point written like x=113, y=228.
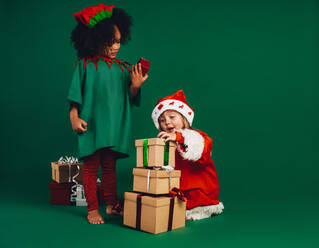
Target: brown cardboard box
x=155, y=155
x=154, y=213
x=63, y=173
x=155, y=181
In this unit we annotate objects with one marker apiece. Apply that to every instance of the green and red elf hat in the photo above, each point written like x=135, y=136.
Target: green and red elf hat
x=92, y=15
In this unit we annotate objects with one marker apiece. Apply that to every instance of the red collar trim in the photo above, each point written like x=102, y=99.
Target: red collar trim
x=95, y=60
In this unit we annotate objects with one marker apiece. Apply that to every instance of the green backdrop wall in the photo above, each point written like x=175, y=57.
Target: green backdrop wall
x=248, y=68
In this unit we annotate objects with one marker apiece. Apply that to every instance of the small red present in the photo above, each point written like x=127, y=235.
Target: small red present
x=60, y=193
x=145, y=65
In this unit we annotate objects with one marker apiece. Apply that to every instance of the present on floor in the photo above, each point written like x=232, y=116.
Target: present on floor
x=155, y=181
x=60, y=193
x=66, y=170
x=154, y=152
x=80, y=198
x=153, y=214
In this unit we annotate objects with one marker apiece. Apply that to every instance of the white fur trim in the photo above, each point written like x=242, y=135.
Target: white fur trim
x=194, y=142
x=199, y=213
x=172, y=104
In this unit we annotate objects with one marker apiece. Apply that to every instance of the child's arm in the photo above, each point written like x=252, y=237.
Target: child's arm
x=137, y=79
x=78, y=125
x=192, y=145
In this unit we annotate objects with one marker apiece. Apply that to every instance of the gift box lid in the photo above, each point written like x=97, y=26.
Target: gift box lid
x=154, y=201
x=55, y=185
x=156, y=173
x=153, y=141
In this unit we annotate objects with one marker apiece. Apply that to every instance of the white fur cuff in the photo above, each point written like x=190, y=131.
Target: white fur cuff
x=194, y=143
x=199, y=213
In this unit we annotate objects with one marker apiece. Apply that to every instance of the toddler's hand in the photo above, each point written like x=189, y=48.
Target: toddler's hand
x=79, y=125
x=167, y=136
x=137, y=76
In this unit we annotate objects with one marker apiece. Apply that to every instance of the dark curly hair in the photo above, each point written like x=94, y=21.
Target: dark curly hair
x=89, y=42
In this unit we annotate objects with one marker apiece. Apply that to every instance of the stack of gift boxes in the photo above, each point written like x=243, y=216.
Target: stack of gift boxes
x=155, y=205
x=66, y=188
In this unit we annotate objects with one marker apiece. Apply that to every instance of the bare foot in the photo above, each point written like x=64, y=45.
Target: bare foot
x=110, y=210
x=94, y=217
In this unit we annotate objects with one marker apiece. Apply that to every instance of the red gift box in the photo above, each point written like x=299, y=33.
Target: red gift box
x=60, y=193
x=145, y=65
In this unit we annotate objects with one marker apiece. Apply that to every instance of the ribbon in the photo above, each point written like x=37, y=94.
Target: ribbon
x=73, y=196
x=118, y=207
x=148, y=181
x=166, y=153
x=145, y=153
x=171, y=214
x=175, y=192
x=138, y=211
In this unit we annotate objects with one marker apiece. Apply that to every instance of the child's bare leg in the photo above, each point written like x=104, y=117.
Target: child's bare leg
x=94, y=217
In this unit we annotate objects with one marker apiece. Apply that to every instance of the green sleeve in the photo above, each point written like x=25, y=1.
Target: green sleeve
x=75, y=90
x=136, y=100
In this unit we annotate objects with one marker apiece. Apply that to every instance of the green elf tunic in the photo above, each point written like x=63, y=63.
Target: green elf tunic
x=101, y=87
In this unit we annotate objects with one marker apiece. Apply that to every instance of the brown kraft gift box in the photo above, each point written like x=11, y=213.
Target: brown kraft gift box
x=155, y=181
x=153, y=214
x=155, y=153
x=63, y=173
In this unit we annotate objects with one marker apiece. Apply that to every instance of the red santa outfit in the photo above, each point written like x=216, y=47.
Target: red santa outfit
x=193, y=157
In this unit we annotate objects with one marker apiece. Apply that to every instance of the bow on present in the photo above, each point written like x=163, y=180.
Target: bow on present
x=119, y=207
x=175, y=192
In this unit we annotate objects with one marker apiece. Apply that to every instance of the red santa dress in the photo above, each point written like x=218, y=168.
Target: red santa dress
x=199, y=178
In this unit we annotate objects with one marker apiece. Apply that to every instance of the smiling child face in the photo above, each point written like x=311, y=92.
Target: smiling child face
x=111, y=51
x=171, y=121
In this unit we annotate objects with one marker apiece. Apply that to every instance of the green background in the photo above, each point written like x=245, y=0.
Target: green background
x=248, y=68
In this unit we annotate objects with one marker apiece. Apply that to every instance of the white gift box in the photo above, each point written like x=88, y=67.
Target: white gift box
x=80, y=197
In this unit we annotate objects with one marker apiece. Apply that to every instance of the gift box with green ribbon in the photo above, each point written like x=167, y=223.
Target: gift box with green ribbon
x=154, y=152
x=155, y=181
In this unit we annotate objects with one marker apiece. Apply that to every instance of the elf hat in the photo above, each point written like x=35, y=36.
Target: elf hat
x=175, y=102
x=92, y=15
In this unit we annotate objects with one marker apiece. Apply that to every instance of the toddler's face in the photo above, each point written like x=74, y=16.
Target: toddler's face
x=111, y=51
x=171, y=121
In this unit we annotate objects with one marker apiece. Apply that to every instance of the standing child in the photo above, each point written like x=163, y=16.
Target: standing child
x=101, y=94
x=173, y=117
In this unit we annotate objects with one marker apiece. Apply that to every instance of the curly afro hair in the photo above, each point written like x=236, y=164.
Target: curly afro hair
x=89, y=42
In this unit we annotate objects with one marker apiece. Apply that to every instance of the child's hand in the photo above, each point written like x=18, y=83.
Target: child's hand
x=167, y=136
x=137, y=76
x=79, y=125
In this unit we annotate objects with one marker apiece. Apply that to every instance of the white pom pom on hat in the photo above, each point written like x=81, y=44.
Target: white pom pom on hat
x=175, y=102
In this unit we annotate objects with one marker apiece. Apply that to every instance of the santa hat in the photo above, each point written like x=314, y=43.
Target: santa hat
x=175, y=102
x=92, y=15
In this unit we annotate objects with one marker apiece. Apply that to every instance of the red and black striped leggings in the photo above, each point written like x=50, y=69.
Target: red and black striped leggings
x=107, y=159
